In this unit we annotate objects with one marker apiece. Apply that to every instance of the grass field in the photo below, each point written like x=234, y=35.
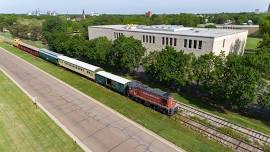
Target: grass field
x=252, y=43
x=160, y=124
x=27, y=129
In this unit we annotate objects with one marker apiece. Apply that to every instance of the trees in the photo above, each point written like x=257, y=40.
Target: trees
x=101, y=50
x=260, y=61
x=126, y=53
x=239, y=83
x=169, y=67
x=54, y=24
x=263, y=97
x=265, y=25
x=265, y=43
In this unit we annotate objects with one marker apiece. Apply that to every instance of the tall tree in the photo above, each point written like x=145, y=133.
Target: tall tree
x=126, y=53
x=169, y=66
x=239, y=83
x=54, y=24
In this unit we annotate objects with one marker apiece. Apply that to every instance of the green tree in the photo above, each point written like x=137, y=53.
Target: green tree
x=57, y=42
x=54, y=24
x=208, y=69
x=265, y=25
x=265, y=43
x=239, y=83
x=126, y=53
x=169, y=66
x=263, y=97
x=101, y=49
x=260, y=61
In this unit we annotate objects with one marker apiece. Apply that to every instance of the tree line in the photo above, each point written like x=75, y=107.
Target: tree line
x=234, y=82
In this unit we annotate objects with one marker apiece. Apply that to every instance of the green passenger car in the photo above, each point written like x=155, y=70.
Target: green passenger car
x=112, y=81
x=49, y=55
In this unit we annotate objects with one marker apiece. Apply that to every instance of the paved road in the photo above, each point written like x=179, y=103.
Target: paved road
x=97, y=128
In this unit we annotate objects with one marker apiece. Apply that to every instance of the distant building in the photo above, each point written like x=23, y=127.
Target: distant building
x=257, y=11
x=51, y=13
x=149, y=14
x=268, y=8
x=192, y=40
x=83, y=15
x=94, y=14
x=34, y=13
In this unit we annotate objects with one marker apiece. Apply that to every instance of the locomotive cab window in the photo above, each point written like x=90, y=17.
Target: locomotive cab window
x=164, y=102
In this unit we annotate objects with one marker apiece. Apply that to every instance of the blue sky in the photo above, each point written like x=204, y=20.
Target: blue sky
x=133, y=6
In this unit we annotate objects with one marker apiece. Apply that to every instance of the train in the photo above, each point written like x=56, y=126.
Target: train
x=156, y=99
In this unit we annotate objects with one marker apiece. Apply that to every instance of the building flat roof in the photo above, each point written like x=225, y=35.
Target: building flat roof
x=173, y=30
x=80, y=63
x=113, y=77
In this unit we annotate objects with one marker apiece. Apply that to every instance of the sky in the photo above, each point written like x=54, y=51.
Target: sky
x=133, y=6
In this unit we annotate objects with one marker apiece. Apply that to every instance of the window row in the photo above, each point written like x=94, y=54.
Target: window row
x=195, y=44
x=169, y=41
x=117, y=35
x=149, y=39
x=74, y=66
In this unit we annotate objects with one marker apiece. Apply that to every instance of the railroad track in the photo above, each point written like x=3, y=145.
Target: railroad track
x=250, y=133
x=226, y=140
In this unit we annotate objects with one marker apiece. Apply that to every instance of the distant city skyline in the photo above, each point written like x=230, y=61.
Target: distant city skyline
x=133, y=7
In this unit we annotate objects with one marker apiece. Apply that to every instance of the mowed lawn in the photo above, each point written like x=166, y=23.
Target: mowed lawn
x=252, y=43
x=162, y=125
x=24, y=128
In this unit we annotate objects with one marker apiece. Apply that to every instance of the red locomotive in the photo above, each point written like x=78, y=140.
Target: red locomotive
x=155, y=98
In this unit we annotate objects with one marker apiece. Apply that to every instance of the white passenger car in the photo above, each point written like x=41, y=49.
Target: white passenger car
x=85, y=69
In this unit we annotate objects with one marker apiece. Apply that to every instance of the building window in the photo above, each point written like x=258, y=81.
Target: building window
x=163, y=40
x=195, y=44
x=150, y=39
x=185, y=43
x=190, y=44
x=154, y=39
x=224, y=41
x=143, y=38
x=171, y=41
x=175, y=41
x=146, y=38
x=200, y=45
x=167, y=41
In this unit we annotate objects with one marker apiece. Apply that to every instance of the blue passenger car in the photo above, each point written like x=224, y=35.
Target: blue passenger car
x=49, y=55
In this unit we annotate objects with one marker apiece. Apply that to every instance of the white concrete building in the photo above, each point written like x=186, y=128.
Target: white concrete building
x=192, y=40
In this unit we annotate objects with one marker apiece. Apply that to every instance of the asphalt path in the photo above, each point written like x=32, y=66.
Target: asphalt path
x=92, y=125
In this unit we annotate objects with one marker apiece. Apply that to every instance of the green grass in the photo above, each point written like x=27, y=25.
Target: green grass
x=25, y=128
x=158, y=123
x=252, y=43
